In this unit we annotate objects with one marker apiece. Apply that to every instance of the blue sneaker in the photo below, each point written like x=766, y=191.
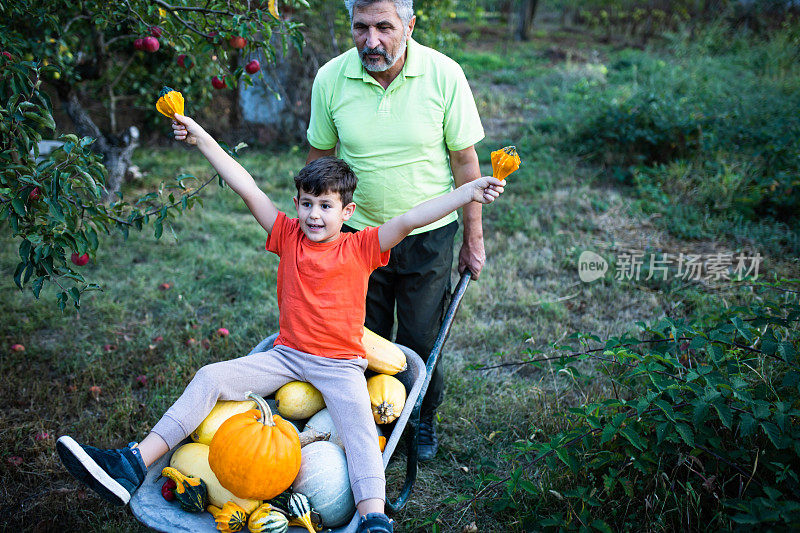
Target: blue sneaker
x=375, y=523
x=113, y=474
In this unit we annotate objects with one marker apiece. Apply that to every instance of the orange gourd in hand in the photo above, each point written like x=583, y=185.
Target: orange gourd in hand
x=255, y=454
x=504, y=162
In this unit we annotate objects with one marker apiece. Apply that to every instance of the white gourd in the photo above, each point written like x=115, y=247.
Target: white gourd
x=324, y=480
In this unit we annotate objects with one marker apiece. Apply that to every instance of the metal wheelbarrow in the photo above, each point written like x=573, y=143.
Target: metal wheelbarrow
x=150, y=508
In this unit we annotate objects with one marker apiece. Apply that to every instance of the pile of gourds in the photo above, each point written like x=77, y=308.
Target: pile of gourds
x=252, y=469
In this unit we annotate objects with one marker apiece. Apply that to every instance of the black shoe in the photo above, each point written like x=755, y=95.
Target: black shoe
x=113, y=474
x=375, y=523
x=427, y=444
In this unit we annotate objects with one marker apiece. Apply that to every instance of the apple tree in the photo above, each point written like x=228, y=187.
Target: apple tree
x=87, y=53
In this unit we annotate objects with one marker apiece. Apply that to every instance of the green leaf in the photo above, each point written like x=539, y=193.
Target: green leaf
x=769, y=344
x=19, y=206
x=787, y=351
x=609, y=430
x=661, y=431
x=774, y=434
x=746, y=425
x=725, y=414
x=633, y=437
x=686, y=433
x=740, y=327
x=700, y=412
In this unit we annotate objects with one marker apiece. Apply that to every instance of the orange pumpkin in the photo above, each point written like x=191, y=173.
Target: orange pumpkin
x=255, y=454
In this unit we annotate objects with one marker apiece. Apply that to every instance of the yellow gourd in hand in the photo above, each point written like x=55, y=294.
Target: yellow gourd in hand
x=504, y=162
x=169, y=102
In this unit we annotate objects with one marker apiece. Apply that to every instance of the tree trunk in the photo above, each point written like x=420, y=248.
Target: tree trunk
x=116, y=150
x=527, y=12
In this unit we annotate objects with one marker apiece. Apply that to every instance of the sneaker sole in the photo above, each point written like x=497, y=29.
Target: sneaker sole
x=83, y=467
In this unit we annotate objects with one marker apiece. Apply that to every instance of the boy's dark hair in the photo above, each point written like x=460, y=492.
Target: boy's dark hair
x=327, y=174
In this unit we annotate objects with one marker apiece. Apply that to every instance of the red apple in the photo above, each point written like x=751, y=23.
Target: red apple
x=155, y=31
x=237, y=42
x=95, y=390
x=165, y=286
x=223, y=332
x=141, y=380
x=7, y=54
x=42, y=435
x=17, y=348
x=34, y=194
x=138, y=44
x=158, y=338
x=191, y=341
x=185, y=61
x=212, y=37
x=79, y=260
x=150, y=44
x=218, y=83
x=253, y=66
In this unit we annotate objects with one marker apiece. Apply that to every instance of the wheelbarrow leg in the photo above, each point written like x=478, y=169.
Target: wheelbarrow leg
x=412, y=437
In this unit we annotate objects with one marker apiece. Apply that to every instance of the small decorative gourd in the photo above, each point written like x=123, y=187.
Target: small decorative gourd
x=191, y=492
x=230, y=518
x=298, y=400
x=504, y=162
x=255, y=454
x=169, y=102
x=266, y=519
x=383, y=356
x=322, y=422
x=300, y=510
x=388, y=396
x=325, y=482
x=223, y=410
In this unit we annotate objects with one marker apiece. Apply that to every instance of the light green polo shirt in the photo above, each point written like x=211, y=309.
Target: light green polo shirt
x=395, y=140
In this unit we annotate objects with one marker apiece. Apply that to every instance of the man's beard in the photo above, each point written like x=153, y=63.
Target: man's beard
x=388, y=61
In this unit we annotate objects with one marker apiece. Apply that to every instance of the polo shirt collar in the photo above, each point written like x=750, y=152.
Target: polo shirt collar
x=414, y=66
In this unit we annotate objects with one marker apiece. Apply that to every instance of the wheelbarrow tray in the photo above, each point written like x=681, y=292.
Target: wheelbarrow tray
x=150, y=508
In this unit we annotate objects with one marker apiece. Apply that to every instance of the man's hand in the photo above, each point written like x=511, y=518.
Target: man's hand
x=472, y=256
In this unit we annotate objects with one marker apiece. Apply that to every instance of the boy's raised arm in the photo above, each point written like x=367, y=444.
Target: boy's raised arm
x=234, y=174
x=484, y=190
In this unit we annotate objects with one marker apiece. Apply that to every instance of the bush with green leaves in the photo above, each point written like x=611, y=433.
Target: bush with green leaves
x=700, y=430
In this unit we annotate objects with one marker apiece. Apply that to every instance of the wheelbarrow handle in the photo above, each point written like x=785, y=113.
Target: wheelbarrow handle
x=412, y=436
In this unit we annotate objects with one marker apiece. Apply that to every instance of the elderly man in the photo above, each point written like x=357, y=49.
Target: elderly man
x=397, y=110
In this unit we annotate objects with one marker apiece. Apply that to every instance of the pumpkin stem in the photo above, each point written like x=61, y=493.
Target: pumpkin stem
x=312, y=435
x=263, y=406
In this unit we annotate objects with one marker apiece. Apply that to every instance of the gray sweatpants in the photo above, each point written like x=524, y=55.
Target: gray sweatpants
x=341, y=382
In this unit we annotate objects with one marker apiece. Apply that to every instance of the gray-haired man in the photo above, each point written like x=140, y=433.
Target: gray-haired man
x=404, y=118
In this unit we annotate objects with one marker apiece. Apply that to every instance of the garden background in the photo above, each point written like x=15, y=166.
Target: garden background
x=655, y=398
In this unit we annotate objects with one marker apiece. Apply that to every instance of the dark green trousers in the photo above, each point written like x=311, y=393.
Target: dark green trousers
x=417, y=283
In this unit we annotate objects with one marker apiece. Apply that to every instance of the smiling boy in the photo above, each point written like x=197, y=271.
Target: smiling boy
x=322, y=285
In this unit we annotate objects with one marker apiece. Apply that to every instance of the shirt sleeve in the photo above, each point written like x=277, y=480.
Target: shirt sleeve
x=371, y=249
x=280, y=230
x=462, y=124
x=321, y=132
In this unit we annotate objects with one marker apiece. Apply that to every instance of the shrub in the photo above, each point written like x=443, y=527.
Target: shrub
x=699, y=430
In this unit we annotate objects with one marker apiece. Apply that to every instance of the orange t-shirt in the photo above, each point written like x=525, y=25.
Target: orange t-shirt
x=322, y=288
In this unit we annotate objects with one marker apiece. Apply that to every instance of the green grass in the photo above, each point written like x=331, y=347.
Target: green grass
x=528, y=297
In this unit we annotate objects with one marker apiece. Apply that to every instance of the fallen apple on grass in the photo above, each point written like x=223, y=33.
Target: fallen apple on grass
x=17, y=348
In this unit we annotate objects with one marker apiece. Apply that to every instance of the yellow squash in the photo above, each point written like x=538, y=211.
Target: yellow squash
x=223, y=410
x=388, y=396
x=298, y=400
x=383, y=356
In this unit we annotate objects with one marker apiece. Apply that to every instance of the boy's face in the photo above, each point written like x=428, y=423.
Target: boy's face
x=321, y=217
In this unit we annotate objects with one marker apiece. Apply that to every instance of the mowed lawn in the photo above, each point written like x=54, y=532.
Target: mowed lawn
x=140, y=345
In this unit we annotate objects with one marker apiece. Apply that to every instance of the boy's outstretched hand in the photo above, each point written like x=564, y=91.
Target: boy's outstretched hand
x=486, y=189
x=187, y=130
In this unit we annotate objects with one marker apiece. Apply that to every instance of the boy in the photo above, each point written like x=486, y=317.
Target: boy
x=322, y=284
